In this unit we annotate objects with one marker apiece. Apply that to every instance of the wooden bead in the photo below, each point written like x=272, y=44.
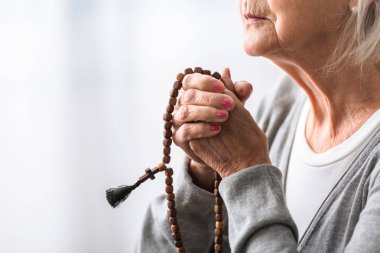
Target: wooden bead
x=167, y=142
x=180, y=250
x=172, y=101
x=169, y=172
x=168, y=125
x=171, y=204
x=188, y=71
x=174, y=93
x=176, y=236
x=161, y=167
x=206, y=72
x=218, y=217
x=166, y=150
x=216, y=192
x=172, y=212
x=178, y=244
x=219, y=224
x=170, y=196
x=218, y=232
x=216, y=184
x=218, y=201
x=217, y=209
x=174, y=228
x=198, y=70
x=177, y=85
x=169, y=109
x=169, y=189
x=180, y=77
x=168, y=134
x=168, y=117
x=218, y=240
x=168, y=180
x=166, y=159
x=216, y=75
x=218, y=248
x=172, y=220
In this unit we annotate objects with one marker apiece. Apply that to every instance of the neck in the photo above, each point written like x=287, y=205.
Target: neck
x=341, y=102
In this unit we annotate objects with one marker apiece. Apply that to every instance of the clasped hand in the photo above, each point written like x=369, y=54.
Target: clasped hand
x=212, y=126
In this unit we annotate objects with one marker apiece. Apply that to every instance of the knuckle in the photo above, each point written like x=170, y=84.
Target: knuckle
x=204, y=98
x=189, y=96
x=186, y=81
x=209, y=99
x=183, y=113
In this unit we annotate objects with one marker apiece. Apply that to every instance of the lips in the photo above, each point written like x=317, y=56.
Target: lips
x=254, y=11
x=253, y=18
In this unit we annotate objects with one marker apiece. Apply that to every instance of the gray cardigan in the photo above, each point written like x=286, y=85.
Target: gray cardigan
x=256, y=213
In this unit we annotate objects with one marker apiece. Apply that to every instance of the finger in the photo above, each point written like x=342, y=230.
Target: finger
x=193, y=131
x=198, y=97
x=243, y=90
x=226, y=72
x=202, y=82
x=226, y=79
x=191, y=113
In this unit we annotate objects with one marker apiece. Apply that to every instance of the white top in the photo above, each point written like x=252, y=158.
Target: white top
x=312, y=176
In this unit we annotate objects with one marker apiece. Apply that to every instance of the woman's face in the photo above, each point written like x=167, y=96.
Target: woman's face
x=272, y=27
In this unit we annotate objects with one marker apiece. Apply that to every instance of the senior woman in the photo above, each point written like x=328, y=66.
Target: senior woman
x=306, y=176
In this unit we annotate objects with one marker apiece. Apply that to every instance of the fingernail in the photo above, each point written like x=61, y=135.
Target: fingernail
x=215, y=127
x=221, y=114
x=218, y=87
x=227, y=103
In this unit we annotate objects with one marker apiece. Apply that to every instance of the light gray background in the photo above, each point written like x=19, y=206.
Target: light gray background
x=83, y=86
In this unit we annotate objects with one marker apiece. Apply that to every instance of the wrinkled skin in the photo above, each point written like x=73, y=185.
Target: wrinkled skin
x=299, y=36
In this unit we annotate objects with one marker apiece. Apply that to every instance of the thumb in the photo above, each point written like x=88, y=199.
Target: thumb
x=243, y=90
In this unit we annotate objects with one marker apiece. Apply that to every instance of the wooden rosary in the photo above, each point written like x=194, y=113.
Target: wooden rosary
x=117, y=195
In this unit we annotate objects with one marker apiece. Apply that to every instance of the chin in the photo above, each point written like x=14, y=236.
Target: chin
x=260, y=43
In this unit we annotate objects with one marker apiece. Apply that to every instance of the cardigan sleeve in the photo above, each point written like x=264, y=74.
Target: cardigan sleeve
x=365, y=237
x=259, y=220
x=195, y=218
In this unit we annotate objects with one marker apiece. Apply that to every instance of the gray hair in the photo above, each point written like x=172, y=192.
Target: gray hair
x=360, y=39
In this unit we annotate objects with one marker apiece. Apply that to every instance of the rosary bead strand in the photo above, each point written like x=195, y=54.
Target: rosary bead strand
x=218, y=210
x=170, y=197
x=172, y=212
x=115, y=196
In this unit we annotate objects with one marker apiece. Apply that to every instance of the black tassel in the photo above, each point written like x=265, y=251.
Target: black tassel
x=116, y=196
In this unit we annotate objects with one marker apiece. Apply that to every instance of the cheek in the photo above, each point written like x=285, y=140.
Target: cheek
x=300, y=23
x=292, y=21
x=295, y=23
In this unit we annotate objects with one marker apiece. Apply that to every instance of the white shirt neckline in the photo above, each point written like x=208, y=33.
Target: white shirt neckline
x=351, y=145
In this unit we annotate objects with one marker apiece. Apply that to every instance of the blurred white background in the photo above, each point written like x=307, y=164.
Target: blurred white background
x=83, y=86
